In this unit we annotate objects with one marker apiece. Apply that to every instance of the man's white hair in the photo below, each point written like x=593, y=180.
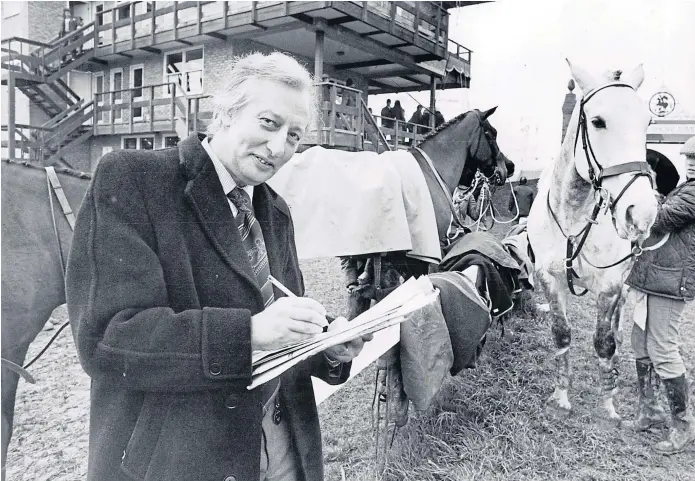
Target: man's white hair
x=248, y=69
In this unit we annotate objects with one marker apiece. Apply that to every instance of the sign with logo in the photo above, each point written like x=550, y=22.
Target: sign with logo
x=662, y=103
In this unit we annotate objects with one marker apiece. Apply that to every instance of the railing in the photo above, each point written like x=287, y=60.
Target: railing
x=45, y=60
x=27, y=145
x=460, y=51
x=130, y=20
x=147, y=109
x=402, y=130
x=341, y=122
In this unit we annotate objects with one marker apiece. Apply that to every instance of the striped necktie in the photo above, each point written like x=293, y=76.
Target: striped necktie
x=252, y=238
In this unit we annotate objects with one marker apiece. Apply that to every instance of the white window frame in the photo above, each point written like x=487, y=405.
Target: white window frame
x=164, y=139
x=131, y=83
x=165, y=76
x=139, y=140
x=105, y=116
x=112, y=78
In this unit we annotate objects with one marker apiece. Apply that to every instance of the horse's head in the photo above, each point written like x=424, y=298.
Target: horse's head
x=484, y=153
x=609, y=127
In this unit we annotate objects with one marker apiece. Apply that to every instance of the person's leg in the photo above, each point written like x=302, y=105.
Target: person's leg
x=664, y=317
x=649, y=412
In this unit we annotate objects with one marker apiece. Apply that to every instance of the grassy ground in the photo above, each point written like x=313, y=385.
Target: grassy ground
x=486, y=424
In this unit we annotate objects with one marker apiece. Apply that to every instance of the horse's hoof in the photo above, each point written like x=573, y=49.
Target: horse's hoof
x=555, y=409
x=608, y=421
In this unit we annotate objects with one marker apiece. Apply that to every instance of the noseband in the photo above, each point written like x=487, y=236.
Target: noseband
x=597, y=173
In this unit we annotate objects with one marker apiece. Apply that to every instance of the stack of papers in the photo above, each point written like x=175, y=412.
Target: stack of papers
x=408, y=297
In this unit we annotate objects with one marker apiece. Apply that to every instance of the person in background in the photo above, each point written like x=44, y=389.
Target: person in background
x=438, y=118
x=525, y=194
x=568, y=107
x=169, y=294
x=416, y=119
x=466, y=204
x=660, y=283
x=387, y=115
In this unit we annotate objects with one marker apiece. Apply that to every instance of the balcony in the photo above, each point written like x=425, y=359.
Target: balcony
x=397, y=45
x=344, y=121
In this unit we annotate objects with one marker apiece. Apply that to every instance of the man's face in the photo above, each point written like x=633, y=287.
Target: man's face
x=265, y=134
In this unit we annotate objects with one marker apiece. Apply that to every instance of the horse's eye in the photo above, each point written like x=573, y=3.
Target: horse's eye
x=598, y=123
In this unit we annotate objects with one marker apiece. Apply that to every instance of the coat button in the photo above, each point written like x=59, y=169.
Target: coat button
x=230, y=478
x=215, y=369
x=231, y=401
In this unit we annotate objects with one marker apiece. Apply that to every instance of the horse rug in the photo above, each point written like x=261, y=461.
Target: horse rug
x=351, y=203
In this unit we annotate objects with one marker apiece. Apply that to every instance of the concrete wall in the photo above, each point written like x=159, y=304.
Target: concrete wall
x=45, y=20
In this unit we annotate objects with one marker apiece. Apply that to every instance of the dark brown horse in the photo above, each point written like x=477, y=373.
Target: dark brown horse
x=457, y=149
x=32, y=268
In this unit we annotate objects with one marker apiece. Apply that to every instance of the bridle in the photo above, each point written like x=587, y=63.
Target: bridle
x=597, y=173
x=452, y=234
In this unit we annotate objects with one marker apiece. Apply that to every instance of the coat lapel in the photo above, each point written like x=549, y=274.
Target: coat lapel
x=205, y=196
x=273, y=218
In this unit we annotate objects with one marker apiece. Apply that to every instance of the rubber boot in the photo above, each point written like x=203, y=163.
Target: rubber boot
x=682, y=432
x=649, y=413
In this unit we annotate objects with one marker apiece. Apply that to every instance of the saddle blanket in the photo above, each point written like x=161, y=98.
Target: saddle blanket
x=351, y=203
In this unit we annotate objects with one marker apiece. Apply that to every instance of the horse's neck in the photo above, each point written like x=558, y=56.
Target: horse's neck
x=570, y=195
x=446, y=158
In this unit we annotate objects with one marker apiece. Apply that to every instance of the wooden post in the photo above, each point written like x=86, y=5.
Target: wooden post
x=395, y=136
x=154, y=23
x=113, y=30
x=152, y=106
x=131, y=111
x=331, y=124
x=318, y=78
x=433, y=91
x=132, y=26
x=12, y=111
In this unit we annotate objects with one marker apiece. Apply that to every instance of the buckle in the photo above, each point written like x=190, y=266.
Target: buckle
x=637, y=250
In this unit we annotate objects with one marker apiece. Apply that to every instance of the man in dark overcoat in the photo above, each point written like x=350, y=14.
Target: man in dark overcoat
x=168, y=297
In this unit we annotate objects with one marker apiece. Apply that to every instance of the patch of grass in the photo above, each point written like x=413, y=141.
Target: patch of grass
x=490, y=422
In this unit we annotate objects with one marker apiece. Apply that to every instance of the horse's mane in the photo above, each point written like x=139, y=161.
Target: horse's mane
x=60, y=169
x=443, y=126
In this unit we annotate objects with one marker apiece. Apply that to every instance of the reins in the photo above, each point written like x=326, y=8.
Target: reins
x=596, y=177
x=54, y=187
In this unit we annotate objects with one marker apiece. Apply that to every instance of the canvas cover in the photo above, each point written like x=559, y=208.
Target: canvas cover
x=351, y=203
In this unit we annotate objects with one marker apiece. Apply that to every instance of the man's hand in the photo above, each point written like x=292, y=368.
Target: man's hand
x=345, y=352
x=287, y=320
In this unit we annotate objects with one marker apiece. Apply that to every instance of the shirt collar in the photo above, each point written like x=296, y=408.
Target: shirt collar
x=226, y=179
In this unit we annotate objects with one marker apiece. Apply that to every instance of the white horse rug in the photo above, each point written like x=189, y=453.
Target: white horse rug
x=351, y=203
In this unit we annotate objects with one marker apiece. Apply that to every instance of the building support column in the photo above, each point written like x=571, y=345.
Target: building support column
x=433, y=107
x=11, y=109
x=318, y=76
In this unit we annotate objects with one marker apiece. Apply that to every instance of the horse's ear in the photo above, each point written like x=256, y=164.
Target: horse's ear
x=635, y=78
x=488, y=113
x=584, y=79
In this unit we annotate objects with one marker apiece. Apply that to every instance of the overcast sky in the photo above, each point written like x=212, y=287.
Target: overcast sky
x=519, y=61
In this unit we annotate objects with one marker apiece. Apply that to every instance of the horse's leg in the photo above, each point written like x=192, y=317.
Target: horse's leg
x=558, y=403
x=22, y=321
x=605, y=345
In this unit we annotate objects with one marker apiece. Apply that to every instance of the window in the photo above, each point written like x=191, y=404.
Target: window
x=185, y=69
x=170, y=141
x=117, y=95
x=100, y=15
x=124, y=12
x=136, y=82
x=99, y=97
x=138, y=143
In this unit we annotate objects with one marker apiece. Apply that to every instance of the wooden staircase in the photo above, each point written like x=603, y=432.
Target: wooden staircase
x=37, y=70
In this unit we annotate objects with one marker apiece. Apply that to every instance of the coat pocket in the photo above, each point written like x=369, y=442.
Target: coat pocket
x=145, y=436
x=664, y=280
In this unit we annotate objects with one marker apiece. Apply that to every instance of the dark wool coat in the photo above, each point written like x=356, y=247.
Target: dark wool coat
x=160, y=296
x=670, y=270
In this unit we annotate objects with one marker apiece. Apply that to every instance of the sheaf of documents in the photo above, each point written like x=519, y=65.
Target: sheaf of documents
x=408, y=297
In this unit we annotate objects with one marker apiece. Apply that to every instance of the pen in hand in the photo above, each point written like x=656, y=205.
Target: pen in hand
x=289, y=293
